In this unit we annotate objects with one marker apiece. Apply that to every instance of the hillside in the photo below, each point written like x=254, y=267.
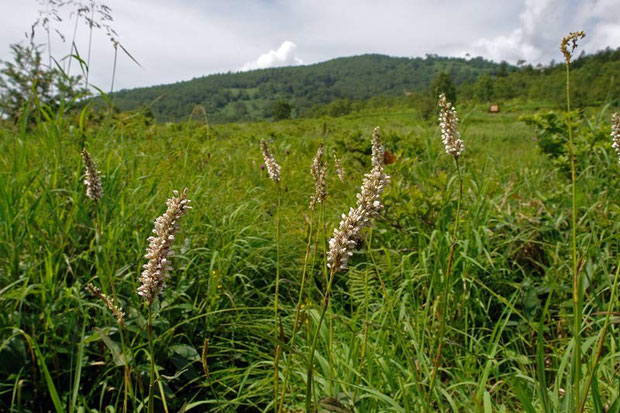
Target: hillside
x=251, y=95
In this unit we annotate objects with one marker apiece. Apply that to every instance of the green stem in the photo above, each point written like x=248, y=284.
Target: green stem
x=446, y=286
x=297, y=310
x=275, y=305
x=577, y=301
x=366, y=318
x=152, y=358
x=329, y=304
x=310, y=376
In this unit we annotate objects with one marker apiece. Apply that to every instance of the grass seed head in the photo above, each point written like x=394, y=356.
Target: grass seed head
x=569, y=44
x=92, y=180
x=157, y=269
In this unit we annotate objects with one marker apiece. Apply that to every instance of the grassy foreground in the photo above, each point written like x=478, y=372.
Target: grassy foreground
x=508, y=315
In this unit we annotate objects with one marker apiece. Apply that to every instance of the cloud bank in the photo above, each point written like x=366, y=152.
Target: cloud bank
x=284, y=56
x=176, y=40
x=544, y=22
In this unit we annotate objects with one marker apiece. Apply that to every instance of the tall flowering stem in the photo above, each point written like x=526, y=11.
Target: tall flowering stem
x=318, y=170
x=567, y=47
x=158, y=267
x=274, y=174
x=345, y=238
x=92, y=180
x=451, y=138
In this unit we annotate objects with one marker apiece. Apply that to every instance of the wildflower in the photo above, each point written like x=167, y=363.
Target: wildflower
x=272, y=166
x=369, y=198
x=117, y=311
x=92, y=180
x=378, y=152
x=615, y=133
x=159, y=251
x=318, y=170
x=368, y=207
x=570, y=42
x=449, y=122
x=339, y=169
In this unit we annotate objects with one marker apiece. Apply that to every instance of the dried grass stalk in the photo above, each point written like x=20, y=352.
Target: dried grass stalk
x=116, y=310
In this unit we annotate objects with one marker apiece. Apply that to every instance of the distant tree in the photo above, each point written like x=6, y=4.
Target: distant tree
x=281, y=110
x=25, y=82
x=219, y=100
x=502, y=71
x=443, y=83
x=484, y=88
x=240, y=109
x=339, y=107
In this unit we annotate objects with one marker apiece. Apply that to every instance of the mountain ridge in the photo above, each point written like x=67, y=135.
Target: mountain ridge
x=251, y=95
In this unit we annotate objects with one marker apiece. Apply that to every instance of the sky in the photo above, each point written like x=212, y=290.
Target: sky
x=175, y=40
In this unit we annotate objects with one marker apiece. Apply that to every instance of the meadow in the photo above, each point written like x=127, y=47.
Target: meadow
x=494, y=293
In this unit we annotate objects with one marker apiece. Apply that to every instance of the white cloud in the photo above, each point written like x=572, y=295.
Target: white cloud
x=543, y=23
x=284, y=56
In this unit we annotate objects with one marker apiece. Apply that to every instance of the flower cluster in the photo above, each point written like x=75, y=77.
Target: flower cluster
x=117, y=311
x=339, y=169
x=615, y=133
x=92, y=180
x=449, y=122
x=569, y=44
x=272, y=166
x=368, y=207
x=318, y=169
x=378, y=151
x=158, y=253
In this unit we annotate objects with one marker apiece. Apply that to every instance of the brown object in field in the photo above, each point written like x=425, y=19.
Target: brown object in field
x=494, y=109
x=388, y=158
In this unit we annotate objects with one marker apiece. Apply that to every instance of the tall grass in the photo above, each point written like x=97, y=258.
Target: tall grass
x=362, y=340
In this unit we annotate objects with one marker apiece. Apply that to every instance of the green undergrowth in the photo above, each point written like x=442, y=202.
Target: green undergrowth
x=509, y=315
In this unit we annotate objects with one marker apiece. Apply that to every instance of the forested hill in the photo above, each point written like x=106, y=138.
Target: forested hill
x=252, y=95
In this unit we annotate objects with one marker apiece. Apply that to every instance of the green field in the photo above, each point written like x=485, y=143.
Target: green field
x=505, y=311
